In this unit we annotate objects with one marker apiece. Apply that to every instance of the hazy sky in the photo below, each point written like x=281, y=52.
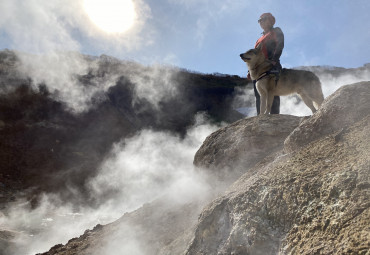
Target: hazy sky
x=200, y=35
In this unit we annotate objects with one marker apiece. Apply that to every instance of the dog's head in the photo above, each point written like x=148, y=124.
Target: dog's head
x=251, y=55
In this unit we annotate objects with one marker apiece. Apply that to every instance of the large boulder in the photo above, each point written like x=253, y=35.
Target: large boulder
x=231, y=150
x=312, y=201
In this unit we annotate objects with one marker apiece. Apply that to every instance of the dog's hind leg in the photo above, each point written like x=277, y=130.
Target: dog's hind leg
x=319, y=98
x=315, y=92
x=309, y=102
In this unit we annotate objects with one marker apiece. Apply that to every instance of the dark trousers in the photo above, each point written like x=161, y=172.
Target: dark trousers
x=275, y=109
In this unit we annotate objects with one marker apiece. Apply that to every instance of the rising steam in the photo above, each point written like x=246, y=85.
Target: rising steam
x=138, y=170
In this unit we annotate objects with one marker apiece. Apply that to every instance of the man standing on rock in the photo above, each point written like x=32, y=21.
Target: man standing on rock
x=271, y=43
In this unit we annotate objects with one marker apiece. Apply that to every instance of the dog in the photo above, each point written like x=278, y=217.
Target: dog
x=305, y=83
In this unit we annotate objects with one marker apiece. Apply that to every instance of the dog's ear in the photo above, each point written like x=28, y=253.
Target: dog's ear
x=258, y=48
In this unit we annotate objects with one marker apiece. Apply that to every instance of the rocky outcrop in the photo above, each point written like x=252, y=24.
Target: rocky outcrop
x=313, y=201
x=231, y=150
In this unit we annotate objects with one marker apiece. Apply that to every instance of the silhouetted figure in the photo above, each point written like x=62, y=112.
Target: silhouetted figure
x=271, y=43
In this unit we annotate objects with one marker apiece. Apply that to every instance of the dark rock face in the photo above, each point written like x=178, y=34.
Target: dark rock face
x=314, y=201
x=46, y=146
x=231, y=150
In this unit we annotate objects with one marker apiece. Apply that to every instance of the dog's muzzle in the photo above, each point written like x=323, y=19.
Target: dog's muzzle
x=244, y=58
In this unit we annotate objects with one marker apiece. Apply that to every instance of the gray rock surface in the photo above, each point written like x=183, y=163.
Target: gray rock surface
x=313, y=201
x=231, y=150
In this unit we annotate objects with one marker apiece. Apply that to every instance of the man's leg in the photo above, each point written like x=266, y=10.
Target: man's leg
x=257, y=95
x=275, y=109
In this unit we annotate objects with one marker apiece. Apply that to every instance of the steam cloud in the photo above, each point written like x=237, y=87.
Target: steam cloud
x=160, y=162
x=42, y=27
x=139, y=170
x=49, y=30
x=59, y=72
x=155, y=84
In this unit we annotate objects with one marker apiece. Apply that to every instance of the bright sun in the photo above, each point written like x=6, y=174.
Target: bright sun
x=112, y=16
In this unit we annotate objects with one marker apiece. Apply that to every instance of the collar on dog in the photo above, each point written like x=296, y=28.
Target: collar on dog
x=265, y=74
x=262, y=76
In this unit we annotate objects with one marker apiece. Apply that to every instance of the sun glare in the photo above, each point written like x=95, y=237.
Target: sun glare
x=112, y=16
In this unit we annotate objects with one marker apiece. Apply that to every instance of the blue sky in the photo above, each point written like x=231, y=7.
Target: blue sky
x=200, y=35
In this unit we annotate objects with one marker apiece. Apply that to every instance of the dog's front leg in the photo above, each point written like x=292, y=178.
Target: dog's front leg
x=263, y=104
x=270, y=99
x=261, y=88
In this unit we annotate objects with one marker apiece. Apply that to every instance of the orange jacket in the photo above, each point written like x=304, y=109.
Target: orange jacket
x=272, y=44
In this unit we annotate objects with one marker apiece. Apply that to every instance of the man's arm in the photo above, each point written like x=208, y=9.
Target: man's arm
x=279, y=37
